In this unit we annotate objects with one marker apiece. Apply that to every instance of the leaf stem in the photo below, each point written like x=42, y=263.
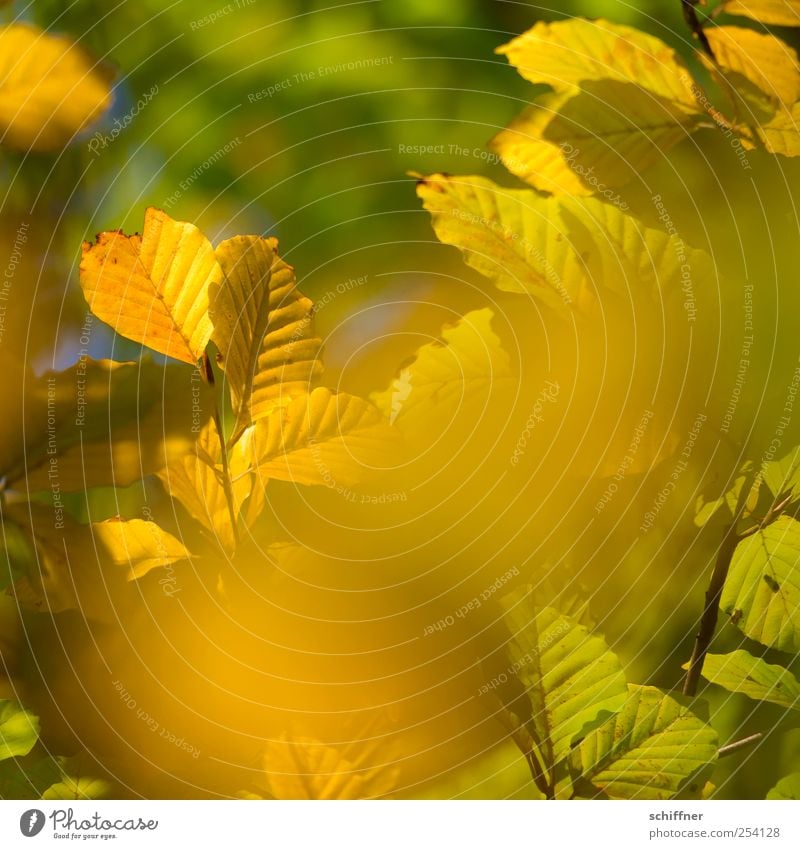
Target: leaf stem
x=738, y=745
x=207, y=374
x=708, y=621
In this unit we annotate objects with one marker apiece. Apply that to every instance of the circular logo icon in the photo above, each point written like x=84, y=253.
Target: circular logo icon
x=31, y=822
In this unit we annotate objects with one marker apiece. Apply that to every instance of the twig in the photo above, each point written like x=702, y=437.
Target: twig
x=732, y=748
x=708, y=621
x=207, y=374
x=690, y=16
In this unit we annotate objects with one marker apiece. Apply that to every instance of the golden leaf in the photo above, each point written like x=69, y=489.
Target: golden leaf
x=566, y=54
x=782, y=13
x=323, y=438
x=154, y=288
x=263, y=329
x=758, y=58
x=50, y=89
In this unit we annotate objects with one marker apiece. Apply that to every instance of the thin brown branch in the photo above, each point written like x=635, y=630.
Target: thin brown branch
x=738, y=745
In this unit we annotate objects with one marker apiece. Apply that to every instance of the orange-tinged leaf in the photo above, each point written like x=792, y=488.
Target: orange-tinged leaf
x=782, y=13
x=263, y=329
x=153, y=288
x=50, y=89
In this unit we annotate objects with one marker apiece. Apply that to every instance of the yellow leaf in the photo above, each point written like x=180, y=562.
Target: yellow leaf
x=782, y=134
x=196, y=479
x=50, y=89
x=263, y=329
x=566, y=54
x=455, y=373
x=81, y=567
x=594, y=141
x=323, y=438
x=514, y=237
x=565, y=251
x=154, y=288
x=758, y=58
x=782, y=13
x=622, y=98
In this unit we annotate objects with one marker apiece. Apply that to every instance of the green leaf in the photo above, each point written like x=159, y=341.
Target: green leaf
x=762, y=592
x=787, y=788
x=563, y=251
x=650, y=750
x=570, y=676
x=741, y=672
x=782, y=476
x=19, y=729
x=79, y=781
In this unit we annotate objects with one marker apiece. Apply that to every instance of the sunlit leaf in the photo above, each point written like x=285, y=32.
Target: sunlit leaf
x=323, y=438
x=153, y=288
x=622, y=99
x=787, y=788
x=19, y=730
x=80, y=567
x=564, y=54
x=651, y=749
x=50, y=89
x=570, y=676
x=762, y=591
x=741, y=672
x=776, y=12
x=781, y=134
x=758, y=58
x=563, y=251
x=263, y=329
x=458, y=370
x=196, y=479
